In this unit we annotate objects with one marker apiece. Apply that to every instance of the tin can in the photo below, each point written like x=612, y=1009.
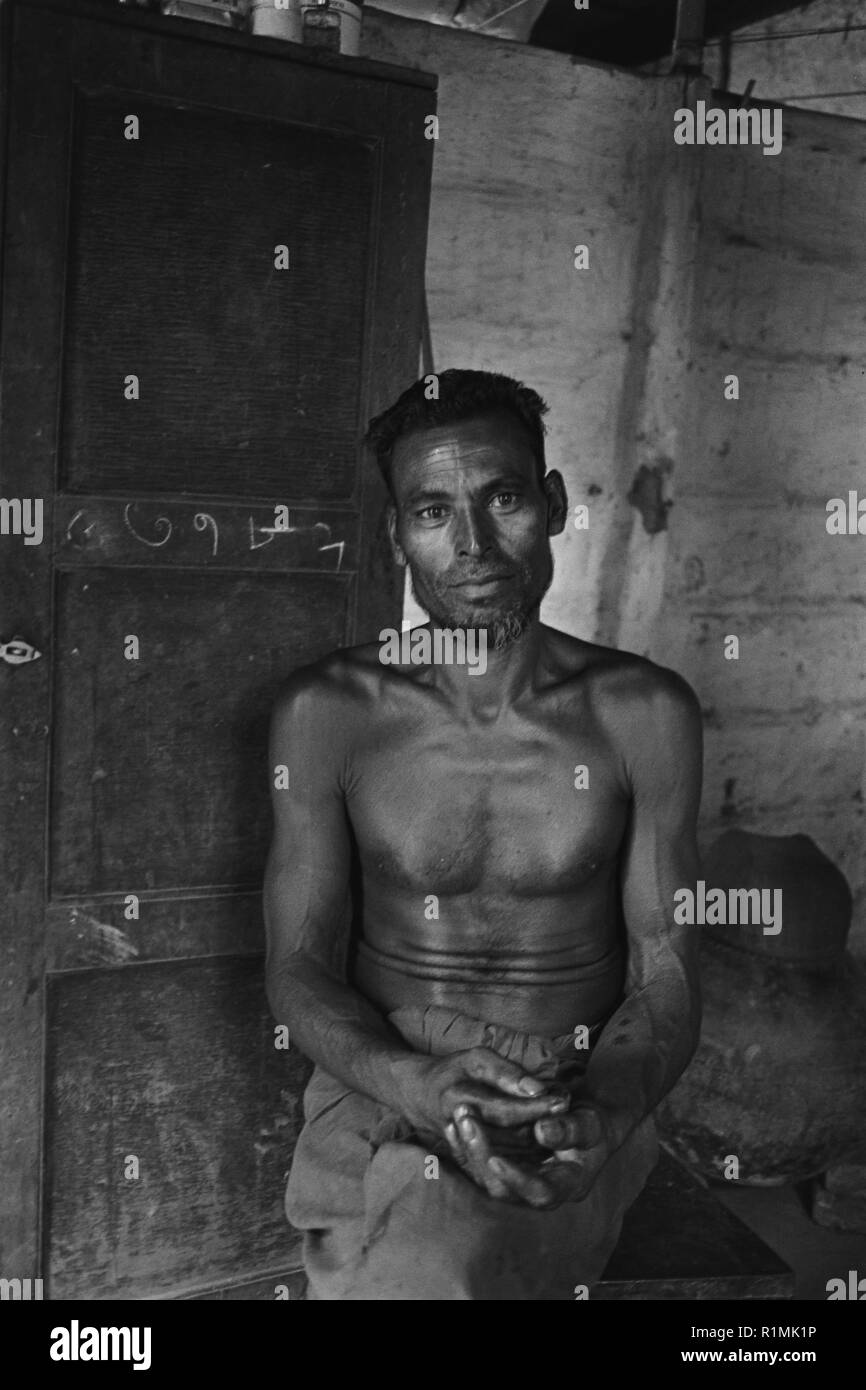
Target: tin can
x=274, y=20
x=341, y=17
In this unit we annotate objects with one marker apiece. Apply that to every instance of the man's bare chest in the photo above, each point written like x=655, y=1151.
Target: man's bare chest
x=533, y=812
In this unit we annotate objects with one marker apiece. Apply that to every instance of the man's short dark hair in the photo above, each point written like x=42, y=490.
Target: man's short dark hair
x=462, y=395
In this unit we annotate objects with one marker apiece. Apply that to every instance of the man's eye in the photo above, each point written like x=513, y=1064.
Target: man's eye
x=506, y=499
x=432, y=513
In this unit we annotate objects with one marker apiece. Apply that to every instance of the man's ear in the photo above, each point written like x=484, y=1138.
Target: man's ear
x=557, y=502
x=396, y=548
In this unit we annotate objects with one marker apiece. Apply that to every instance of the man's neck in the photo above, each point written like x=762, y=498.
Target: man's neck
x=485, y=695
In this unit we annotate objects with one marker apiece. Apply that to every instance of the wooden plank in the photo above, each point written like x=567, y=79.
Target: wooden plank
x=199, y=34
x=88, y=931
x=248, y=376
x=173, y=1065
x=756, y=1288
x=294, y=1282
x=34, y=219
x=182, y=727
x=168, y=532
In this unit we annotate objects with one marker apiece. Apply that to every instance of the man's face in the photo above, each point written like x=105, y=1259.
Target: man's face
x=472, y=522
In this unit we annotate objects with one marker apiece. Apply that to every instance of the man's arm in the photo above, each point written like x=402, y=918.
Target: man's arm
x=307, y=901
x=652, y=1036
x=307, y=906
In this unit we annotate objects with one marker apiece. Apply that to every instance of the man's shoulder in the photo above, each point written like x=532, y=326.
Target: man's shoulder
x=332, y=684
x=624, y=680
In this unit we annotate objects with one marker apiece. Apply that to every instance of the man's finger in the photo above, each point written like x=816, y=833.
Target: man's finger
x=471, y=1152
x=483, y=1064
x=528, y=1188
x=579, y=1129
x=501, y=1178
x=497, y=1109
x=570, y=1174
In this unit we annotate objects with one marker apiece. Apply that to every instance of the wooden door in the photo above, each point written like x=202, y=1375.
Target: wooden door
x=166, y=390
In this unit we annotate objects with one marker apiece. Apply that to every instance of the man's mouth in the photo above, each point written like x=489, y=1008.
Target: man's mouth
x=487, y=581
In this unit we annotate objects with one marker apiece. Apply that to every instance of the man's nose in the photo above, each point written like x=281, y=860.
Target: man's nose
x=473, y=535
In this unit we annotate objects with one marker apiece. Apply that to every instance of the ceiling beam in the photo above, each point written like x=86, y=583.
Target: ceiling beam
x=631, y=32
x=502, y=19
x=688, y=42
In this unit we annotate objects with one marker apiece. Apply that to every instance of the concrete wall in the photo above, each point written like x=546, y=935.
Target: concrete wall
x=702, y=263
x=780, y=302
x=818, y=71
x=536, y=156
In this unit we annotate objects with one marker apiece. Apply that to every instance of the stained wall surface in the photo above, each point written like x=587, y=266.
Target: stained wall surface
x=536, y=156
x=813, y=56
x=779, y=301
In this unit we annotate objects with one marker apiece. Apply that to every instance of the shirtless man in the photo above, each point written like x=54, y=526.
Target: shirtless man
x=472, y=938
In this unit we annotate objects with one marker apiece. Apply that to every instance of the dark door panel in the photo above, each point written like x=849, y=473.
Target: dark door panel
x=191, y=417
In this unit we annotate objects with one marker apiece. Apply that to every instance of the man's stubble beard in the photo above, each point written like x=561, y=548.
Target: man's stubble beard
x=503, y=626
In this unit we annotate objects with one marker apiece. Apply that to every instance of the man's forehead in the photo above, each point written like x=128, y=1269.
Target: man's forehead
x=484, y=440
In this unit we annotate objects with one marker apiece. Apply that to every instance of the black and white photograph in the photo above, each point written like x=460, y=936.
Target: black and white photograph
x=432, y=676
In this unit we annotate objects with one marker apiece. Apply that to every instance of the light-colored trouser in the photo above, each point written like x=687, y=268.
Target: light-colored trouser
x=378, y=1225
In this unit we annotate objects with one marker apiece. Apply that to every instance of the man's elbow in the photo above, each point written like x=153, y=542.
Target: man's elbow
x=684, y=1010
x=692, y=1028
x=696, y=1003
x=282, y=974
